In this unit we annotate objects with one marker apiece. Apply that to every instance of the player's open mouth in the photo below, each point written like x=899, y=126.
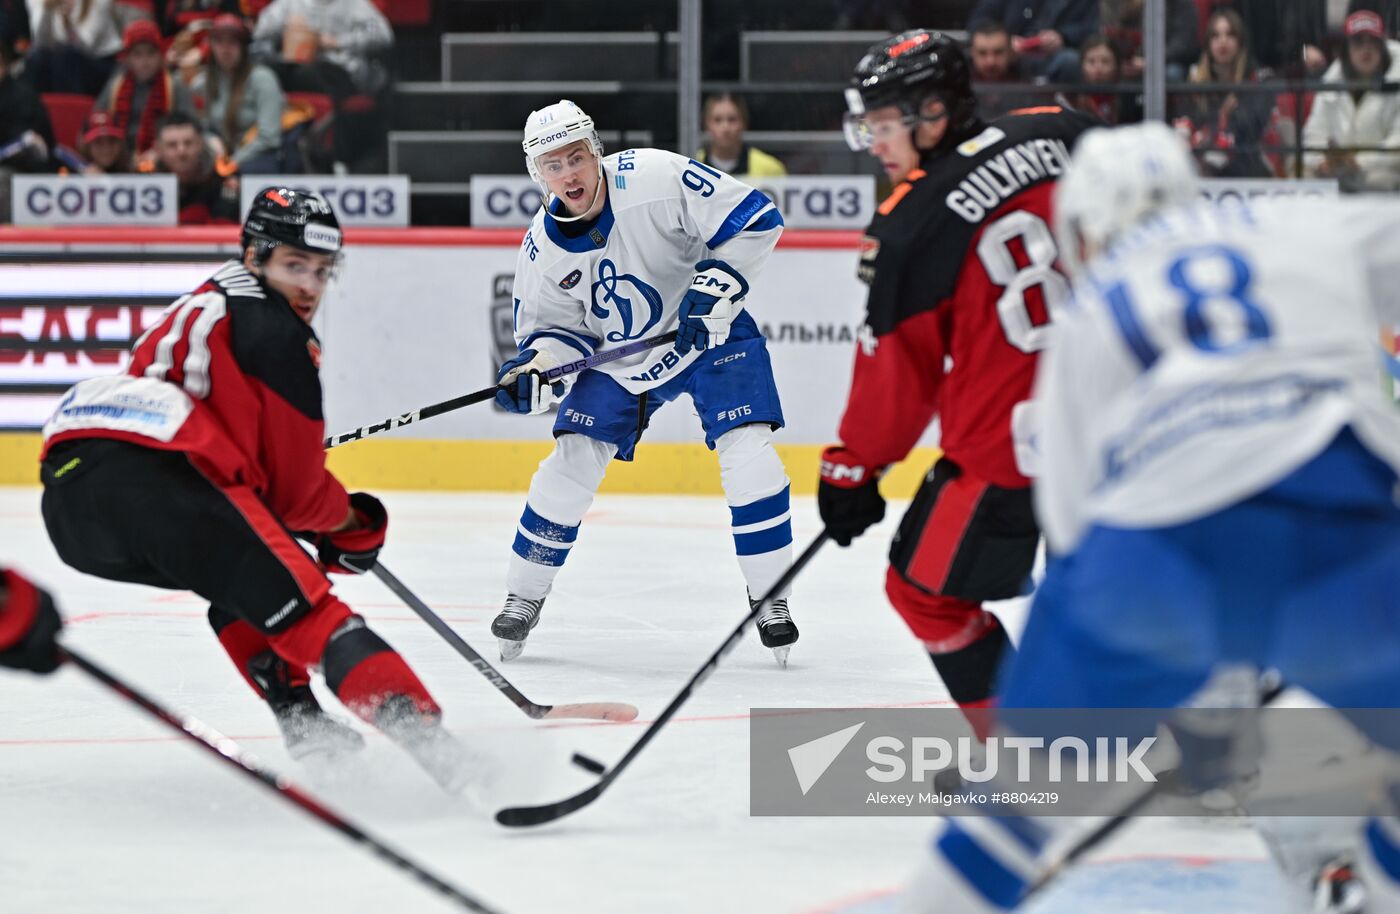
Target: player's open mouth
x=303, y=310
x=575, y=195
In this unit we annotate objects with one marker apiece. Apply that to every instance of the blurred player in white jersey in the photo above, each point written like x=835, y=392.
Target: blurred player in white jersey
x=1219, y=482
x=630, y=246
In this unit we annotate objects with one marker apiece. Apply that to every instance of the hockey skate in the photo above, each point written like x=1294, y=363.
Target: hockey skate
x=307, y=730
x=1336, y=890
x=435, y=750
x=776, y=629
x=514, y=624
x=310, y=734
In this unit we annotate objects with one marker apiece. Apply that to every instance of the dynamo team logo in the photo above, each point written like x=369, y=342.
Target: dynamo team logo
x=610, y=290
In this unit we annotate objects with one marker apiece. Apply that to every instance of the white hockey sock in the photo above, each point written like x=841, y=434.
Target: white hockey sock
x=979, y=865
x=756, y=487
x=560, y=493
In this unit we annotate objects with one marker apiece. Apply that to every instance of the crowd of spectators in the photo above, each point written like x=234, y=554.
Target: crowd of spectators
x=1260, y=87
x=207, y=90
x=1242, y=77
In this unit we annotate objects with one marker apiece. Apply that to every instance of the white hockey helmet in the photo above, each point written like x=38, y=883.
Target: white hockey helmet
x=1117, y=178
x=555, y=126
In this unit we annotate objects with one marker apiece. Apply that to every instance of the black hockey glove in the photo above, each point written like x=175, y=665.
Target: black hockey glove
x=355, y=551
x=29, y=626
x=848, y=495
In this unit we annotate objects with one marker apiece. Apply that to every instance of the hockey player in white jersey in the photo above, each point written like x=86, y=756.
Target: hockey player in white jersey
x=629, y=246
x=1219, y=476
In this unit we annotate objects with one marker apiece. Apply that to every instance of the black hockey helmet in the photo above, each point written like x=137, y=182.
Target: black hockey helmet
x=299, y=219
x=904, y=70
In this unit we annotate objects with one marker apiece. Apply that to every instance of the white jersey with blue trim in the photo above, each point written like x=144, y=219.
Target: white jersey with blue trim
x=623, y=277
x=1212, y=352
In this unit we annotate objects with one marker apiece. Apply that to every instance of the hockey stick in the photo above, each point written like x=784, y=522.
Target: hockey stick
x=489, y=393
x=538, y=815
x=1110, y=825
x=593, y=710
x=229, y=751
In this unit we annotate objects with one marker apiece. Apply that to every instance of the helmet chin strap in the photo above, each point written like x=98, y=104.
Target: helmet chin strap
x=596, y=191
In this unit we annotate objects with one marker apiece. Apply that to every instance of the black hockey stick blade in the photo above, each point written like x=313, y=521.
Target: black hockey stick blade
x=489, y=393
x=518, y=816
x=231, y=753
x=595, y=710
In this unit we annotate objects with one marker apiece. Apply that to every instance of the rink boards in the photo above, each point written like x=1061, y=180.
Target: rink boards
x=414, y=317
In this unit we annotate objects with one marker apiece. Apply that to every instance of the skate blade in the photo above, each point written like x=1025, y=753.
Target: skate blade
x=780, y=654
x=510, y=649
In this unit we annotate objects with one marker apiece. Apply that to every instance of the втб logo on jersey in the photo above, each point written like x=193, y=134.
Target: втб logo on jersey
x=611, y=284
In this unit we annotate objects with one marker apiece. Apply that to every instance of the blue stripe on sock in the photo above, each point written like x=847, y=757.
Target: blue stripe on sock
x=763, y=509
x=532, y=551
x=994, y=882
x=1027, y=833
x=547, y=529
x=764, y=540
x=1383, y=849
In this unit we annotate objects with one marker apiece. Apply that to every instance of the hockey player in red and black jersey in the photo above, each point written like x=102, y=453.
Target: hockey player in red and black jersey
x=191, y=470
x=961, y=268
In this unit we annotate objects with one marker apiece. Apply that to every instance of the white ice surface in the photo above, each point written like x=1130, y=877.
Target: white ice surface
x=103, y=810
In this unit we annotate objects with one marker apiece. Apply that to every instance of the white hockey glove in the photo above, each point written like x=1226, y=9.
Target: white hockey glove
x=709, y=306
x=520, y=384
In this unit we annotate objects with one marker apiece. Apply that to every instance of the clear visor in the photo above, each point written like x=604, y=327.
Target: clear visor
x=862, y=132
x=559, y=166
x=313, y=271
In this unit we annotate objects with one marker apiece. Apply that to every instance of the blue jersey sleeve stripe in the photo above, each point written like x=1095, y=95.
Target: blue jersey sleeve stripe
x=1128, y=324
x=738, y=217
x=568, y=339
x=766, y=222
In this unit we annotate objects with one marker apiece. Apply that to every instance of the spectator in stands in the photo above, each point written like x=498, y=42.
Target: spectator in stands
x=169, y=12
x=14, y=23
x=726, y=118
x=1343, y=120
x=335, y=40
x=1045, y=32
x=26, y=136
x=1389, y=11
x=103, y=147
x=1122, y=24
x=242, y=101
x=994, y=61
x=206, y=195
x=1288, y=34
x=329, y=47
x=993, y=58
x=1226, y=129
x=1099, y=64
x=75, y=44
x=142, y=92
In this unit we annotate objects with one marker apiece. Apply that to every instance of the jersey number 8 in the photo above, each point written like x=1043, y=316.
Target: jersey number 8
x=994, y=250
